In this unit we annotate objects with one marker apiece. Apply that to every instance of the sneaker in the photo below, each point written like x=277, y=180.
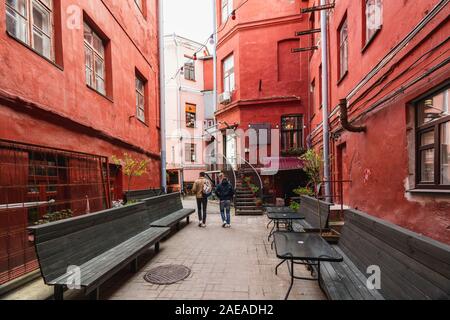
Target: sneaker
x=200, y=224
x=203, y=225
x=228, y=226
x=224, y=225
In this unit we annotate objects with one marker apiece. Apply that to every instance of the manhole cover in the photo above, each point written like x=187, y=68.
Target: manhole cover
x=168, y=274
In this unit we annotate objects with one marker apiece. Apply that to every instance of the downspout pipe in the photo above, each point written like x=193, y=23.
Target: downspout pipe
x=325, y=99
x=162, y=95
x=343, y=106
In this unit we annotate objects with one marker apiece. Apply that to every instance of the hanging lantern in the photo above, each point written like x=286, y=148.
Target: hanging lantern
x=233, y=15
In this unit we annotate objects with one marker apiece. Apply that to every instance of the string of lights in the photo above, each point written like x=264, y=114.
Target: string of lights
x=232, y=16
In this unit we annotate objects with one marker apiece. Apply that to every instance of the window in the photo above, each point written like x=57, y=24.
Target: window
x=140, y=98
x=320, y=87
x=343, y=49
x=189, y=69
x=191, y=110
x=227, y=9
x=190, y=152
x=312, y=94
x=433, y=141
x=291, y=133
x=95, y=60
x=373, y=11
x=228, y=74
x=31, y=17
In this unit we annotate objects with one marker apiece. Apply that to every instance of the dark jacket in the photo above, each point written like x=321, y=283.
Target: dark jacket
x=225, y=191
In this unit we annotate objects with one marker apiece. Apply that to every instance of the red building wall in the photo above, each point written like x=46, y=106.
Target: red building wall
x=65, y=113
x=270, y=81
x=381, y=162
x=48, y=104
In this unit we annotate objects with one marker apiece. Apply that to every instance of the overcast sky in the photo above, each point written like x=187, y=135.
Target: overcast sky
x=189, y=18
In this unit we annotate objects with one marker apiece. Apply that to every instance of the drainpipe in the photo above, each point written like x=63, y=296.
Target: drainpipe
x=325, y=99
x=162, y=94
x=344, y=118
x=214, y=8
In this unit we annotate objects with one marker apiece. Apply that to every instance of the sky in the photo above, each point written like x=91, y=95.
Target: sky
x=192, y=19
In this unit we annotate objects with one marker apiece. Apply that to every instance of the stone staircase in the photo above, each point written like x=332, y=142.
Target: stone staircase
x=245, y=201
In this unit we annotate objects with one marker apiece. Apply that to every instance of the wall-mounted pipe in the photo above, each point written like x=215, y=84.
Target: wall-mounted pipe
x=344, y=118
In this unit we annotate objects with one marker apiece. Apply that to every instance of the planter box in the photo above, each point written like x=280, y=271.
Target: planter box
x=330, y=235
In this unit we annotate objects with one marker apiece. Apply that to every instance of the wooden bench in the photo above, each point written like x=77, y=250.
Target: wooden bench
x=137, y=195
x=167, y=210
x=412, y=266
x=99, y=245
x=308, y=208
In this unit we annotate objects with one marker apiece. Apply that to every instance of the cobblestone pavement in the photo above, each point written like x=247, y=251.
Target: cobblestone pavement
x=226, y=264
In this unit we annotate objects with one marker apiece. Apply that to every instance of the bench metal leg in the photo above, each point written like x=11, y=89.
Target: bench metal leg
x=58, y=293
x=188, y=220
x=157, y=247
x=178, y=226
x=134, y=265
x=94, y=295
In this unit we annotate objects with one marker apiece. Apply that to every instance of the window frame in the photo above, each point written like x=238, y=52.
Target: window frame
x=95, y=53
x=227, y=73
x=229, y=6
x=368, y=39
x=189, y=69
x=190, y=157
x=142, y=94
x=299, y=131
x=433, y=126
x=194, y=125
x=341, y=72
x=30, y=26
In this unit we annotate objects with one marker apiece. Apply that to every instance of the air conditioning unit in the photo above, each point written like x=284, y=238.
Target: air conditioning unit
x=225, y=98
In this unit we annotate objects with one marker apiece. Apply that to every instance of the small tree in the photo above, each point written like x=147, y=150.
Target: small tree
x=313, y=166
x=131, y=167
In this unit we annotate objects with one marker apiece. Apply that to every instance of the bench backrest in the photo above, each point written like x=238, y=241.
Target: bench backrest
x=143, y=194
x=412, y=266
x=162, y=206
x=74, y=241
x=309, y=207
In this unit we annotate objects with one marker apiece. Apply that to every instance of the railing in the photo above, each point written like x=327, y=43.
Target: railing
x=249, y=170
x=224, y=166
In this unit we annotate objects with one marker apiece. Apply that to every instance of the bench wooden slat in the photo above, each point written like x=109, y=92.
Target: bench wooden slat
x=172, y=218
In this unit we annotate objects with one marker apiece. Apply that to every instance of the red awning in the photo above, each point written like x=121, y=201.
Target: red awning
x=282, y=164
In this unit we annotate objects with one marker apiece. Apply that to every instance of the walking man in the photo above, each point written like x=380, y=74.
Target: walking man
x=225, y=193
x=202, y=189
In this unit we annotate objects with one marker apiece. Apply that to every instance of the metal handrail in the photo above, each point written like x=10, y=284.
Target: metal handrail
x=261, y=185
x=232, y=170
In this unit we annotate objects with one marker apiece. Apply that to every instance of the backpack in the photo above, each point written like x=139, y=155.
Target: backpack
x=207, y=188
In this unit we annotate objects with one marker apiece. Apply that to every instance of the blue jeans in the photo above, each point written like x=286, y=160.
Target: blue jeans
x=225, y=205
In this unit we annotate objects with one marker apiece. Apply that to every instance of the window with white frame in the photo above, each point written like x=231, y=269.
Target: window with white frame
x=228, y=74
x=343, y=49
x=95, y=60
x=31, y=17
x=140, y=98
x=373, y=18
x=227, y=9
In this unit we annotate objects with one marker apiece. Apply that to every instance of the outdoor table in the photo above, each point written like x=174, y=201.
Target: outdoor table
x=303, y=248
x=283, y=214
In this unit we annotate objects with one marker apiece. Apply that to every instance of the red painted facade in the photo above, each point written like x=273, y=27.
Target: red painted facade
x=63, y=112
x=270, y=81
x=406, y=59
x=382, y=162
x=47, y=103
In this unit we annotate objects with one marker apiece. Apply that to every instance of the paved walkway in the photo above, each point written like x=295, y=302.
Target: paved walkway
x=231, y=264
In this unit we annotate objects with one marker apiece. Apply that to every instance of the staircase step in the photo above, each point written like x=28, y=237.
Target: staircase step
x=249, y=212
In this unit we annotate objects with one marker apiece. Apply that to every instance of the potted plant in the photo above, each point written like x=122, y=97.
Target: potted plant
x=247, y=181
x=259, y=203
x=294, y=205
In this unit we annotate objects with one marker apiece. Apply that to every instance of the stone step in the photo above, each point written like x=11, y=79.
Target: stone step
x=250, y=208
x=249, y=212
x=239, y=199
